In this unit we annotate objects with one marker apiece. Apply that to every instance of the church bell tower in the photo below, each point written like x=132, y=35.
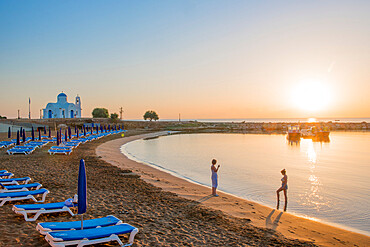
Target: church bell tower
x=78, y=105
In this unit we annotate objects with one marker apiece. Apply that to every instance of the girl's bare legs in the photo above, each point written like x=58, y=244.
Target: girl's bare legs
x=213, y=191
x=286, y=200
x=278, y=197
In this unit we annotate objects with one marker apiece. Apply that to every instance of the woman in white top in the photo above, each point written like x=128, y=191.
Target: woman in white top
x=214, y=171
x=284, y=187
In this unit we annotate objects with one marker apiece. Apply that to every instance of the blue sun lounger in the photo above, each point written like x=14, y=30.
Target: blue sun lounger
x=38, y=209
x=92, y=236
x=3, y=171
x=8, y=181
x=45, y=227
x=22, y=195
x=21, y=150
x=22, y=187
x=60, y=151
x=6, y=175
x=5, y=144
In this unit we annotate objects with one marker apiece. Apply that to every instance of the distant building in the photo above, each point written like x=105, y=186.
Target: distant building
x=63, y=109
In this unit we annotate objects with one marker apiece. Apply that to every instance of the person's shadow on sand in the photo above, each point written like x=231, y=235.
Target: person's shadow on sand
x=273, y=224
x=203, y=199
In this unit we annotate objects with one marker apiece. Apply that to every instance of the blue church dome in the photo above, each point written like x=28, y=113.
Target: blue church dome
x=62, y=95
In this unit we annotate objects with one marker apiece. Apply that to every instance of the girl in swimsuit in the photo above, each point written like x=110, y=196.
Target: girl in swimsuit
x=284, y=187
x=214, y=171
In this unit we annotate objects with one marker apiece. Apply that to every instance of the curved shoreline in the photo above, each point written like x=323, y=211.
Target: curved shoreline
x=289, y=225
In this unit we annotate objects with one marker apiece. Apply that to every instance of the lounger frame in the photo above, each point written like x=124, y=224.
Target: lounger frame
x=38, y=212
x=58, y=242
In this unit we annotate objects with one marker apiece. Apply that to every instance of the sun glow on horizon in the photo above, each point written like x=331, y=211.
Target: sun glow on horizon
x=311, y=95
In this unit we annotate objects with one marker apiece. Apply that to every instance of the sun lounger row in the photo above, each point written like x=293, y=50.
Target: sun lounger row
x=94, y=231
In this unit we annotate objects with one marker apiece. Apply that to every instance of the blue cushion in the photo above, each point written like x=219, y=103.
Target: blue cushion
x=6, y=174
x=6, y=180
x=16, y=187
x=54, y=205
x=63, y=226
x=22, y=193
x=93, y=233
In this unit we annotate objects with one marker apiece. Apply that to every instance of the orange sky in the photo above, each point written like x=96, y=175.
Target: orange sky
x=209, y=59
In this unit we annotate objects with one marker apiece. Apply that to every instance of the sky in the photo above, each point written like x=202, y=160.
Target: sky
x=201, y=59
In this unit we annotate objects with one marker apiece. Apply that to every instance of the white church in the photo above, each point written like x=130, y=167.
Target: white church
x=63, y=109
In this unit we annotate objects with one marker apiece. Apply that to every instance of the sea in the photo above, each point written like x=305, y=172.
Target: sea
x=327, y=181
x=270, y=120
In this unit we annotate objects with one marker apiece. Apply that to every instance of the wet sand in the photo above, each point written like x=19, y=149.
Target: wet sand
x=255, y=214
x=163, y=218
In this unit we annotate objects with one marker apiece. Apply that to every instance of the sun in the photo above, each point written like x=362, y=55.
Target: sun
x=311, y=95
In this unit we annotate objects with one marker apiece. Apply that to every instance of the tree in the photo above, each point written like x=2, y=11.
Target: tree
x=151, y=115
x=114, y=116
x=100, y=113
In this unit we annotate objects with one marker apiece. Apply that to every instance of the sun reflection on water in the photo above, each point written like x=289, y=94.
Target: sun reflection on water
x=312, y=196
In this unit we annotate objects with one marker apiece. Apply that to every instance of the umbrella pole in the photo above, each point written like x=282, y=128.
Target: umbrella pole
x=82, y=221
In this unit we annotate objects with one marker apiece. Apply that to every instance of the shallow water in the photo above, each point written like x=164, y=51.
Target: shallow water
x=327, y=181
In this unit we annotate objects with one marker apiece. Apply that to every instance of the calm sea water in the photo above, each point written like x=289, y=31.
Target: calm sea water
x=327, y=181
x=271, y=120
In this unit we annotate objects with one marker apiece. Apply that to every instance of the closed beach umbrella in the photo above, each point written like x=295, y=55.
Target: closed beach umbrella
x=84, y=131
x=92, y=129
x=58, y=138
x=33, y=134
x=39, y=134
x=101, y=128
x=92, y=125
x=105, y=128
x=75, y=129
x=97, y=130
x=108, y=127
x=18, y=141
x=69, y=132
x=24, y=136
x=81, y=190
x=9, y=133
x=49, y=133
x=65, y=135
x=77, y=133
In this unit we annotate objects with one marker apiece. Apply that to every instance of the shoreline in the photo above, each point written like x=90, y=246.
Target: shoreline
x=290, y=225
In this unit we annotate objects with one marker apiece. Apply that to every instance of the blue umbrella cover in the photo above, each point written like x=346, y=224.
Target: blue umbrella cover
x=24, y=136
x=58, y=138
x=18, y=141
x=81, y=190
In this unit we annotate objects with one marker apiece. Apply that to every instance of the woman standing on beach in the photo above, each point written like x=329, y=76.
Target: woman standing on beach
x=284, y=187
x=214, y=178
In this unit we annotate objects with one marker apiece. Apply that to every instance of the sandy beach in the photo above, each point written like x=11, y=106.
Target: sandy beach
x=167, y=210
x=287, y=224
